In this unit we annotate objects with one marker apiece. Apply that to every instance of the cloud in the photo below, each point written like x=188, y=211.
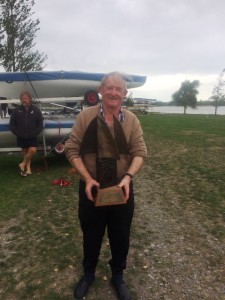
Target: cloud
x=161, y=87
x=167, y=40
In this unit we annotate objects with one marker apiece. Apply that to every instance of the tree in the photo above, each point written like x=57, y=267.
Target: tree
x=128, y=101
x=187, y=94
x=17, y=34
x=218, y=96
x=1, y=38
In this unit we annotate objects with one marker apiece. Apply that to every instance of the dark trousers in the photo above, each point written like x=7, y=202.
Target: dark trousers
x=95, y=220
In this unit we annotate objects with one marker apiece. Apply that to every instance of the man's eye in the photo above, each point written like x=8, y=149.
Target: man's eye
x=109, y=88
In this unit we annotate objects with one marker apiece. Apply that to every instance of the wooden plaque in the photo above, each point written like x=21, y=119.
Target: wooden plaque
x=110, y=196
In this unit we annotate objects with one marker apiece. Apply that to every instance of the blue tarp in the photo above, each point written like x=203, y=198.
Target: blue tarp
x=4, y=125
x=56, y=75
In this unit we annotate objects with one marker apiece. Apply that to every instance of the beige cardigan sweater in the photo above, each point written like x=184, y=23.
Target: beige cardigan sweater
x=133, y=133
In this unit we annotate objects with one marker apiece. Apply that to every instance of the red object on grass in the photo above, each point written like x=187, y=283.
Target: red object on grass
x=61, y=182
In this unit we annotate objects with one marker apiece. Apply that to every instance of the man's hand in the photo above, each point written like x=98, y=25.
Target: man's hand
x=125, y=184
x=90, y=184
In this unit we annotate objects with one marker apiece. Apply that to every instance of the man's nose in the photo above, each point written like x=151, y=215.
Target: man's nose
x=114, y=90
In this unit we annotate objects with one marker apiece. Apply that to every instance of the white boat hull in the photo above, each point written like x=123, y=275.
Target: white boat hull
x=46, y=84
x=54, y=132
x=47, y=89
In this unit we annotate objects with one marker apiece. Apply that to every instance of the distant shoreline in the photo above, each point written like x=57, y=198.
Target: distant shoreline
x=202, y=110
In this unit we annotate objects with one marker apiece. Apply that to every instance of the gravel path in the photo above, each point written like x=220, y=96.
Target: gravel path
x=176, y=256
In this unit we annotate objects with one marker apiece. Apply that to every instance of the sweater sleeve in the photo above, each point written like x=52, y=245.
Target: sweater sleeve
x=137, y=146
x=72, y=145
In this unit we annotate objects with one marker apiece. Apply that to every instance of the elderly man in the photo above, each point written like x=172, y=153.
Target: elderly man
x=107, y=149
x=26, y=122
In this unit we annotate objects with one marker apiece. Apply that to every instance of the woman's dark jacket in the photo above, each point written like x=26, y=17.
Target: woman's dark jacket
x=26, y=124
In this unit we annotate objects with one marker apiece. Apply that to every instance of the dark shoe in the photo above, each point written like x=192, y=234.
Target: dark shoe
x=22, y=172
x=122, y=290
x=82, y=287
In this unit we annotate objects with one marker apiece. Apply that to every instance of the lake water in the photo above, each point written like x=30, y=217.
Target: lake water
x=200, y=110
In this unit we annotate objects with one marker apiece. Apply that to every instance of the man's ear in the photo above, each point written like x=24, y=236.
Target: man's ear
x=99, y=90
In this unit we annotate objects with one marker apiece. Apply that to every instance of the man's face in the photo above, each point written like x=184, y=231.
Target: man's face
x=113, y=92
x=25, y=100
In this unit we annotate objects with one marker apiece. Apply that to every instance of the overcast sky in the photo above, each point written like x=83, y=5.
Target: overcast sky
x=168, y=40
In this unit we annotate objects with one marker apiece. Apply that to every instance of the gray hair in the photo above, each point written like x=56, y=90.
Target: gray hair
x=117, y=76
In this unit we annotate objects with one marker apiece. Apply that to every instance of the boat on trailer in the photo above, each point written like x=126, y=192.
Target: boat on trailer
x=51, y=139
x=56, y=84
x=47, y=86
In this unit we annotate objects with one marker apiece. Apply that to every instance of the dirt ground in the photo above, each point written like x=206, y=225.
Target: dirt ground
x=172, y=254
x=181, y=259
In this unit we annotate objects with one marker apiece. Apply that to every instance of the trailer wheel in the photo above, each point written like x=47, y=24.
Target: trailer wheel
x=91, y=98
x=59, y=149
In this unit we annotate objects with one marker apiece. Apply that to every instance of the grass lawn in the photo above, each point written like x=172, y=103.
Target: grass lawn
x=189, y=151
x=41, y=241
